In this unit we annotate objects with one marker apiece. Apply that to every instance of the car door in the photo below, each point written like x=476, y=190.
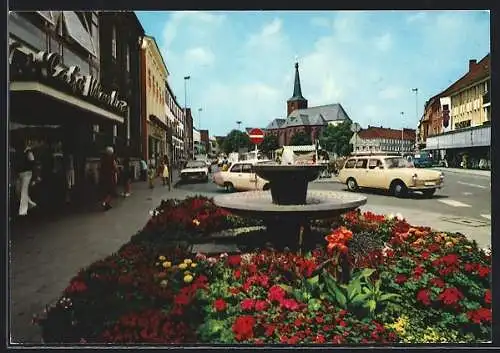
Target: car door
x=361, y=171
x=375, y=173
x=235, y=176
x=248, y=179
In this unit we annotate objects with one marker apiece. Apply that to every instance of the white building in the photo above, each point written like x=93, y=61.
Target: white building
x=175, y=118
x=379, y=139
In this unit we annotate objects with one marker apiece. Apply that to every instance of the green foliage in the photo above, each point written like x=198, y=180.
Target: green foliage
x=336, y=139
x=269, y=144
x=236, y=139
x=301, y=138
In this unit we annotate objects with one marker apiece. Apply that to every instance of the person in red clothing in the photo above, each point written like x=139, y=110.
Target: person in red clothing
x=107, y=177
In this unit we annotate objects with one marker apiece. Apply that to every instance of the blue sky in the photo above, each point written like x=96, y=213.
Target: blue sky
x=242, y=63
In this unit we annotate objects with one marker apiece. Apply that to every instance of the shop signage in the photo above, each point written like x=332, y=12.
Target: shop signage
x=49, y=67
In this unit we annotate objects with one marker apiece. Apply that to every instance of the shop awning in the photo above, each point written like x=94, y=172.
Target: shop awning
x=31, y=86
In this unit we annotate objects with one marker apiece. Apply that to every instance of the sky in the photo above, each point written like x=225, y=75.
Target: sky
x=241, y=63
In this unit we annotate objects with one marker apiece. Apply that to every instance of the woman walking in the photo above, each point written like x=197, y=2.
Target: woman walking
x=107, y=177
x=126, y=177
x=166, y=174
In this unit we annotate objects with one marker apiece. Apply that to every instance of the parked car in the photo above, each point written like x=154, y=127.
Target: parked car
x=391, y=173
x=195, y=170
x=240, y=176
x=422, y=160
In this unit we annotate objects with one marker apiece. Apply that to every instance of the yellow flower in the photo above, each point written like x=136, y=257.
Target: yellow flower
x=164, y=283
x=193, y=265
x=162, y=258
x=196, y=222
x=188, y=261
x=167, y=264
x=188, y=279
x=183, y=266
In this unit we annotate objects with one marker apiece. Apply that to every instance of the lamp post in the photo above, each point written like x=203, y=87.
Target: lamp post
x=402, y=132
x=186, y=78
x=416, y=107
x=238, y=139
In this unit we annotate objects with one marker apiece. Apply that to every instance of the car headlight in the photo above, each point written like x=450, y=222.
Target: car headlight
x=441, y=176
x=414, y=178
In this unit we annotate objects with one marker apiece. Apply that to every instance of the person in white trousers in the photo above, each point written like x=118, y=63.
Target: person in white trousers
x=25, y=176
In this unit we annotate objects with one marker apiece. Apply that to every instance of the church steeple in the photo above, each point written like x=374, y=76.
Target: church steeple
x=297, y=101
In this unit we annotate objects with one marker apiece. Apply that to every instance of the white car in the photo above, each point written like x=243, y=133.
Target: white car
x=196, y=170
x=240, y=176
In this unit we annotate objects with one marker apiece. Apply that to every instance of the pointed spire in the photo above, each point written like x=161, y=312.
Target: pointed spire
x=297, y=91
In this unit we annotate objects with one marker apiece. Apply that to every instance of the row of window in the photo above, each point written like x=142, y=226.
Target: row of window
x=114, y=49
x=362, y=163
x=387, y=148
x=473, y=92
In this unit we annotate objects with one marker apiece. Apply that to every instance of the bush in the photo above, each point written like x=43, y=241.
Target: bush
x=409, y=285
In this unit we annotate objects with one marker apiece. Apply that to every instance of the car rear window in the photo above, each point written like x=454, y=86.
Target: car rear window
x=350, y=163
x=361, y=163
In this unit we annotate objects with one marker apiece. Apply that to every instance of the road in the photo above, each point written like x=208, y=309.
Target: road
x=467, y=196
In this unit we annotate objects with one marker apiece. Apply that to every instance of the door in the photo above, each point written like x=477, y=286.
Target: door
x=375, y=173
x=248, y=179
x=361, y=172
x=235, y=176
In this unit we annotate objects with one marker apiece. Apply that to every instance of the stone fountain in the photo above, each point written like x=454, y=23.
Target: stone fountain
x=288, y=207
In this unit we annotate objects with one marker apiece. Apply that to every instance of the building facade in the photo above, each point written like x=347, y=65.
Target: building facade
x=197, y=145
x=383, y=140
x=120, y=35
x=466, y=119
x=301, y=118
x=57, y=100
x=176, y=126
x=154, y=74
x=188, y=134
x=205, y=140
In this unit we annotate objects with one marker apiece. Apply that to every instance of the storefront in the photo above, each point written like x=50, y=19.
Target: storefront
x=157, y=139
x=59, y=112
x=464, y=148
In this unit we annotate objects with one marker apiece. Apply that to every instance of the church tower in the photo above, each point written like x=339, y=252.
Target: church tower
x=297, y=101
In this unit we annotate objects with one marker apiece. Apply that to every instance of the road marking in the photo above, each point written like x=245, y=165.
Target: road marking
x=454, y=203
x=473, y=185
x=467, y=193
x=487, y=216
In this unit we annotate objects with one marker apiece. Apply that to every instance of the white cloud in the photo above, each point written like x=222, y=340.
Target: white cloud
x=383, y=42
x=321, y=22
x=200, y=56
x=416, y=17
x=268, y=35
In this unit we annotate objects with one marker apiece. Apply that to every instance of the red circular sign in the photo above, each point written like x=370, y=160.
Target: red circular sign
x=256, y=136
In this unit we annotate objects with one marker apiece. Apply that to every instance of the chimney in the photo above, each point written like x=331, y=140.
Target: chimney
x=472, y=64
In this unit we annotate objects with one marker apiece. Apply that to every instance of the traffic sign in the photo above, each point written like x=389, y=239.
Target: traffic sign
x=256, y=136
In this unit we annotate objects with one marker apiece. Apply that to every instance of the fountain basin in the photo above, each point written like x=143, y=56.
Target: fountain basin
x=288, y=183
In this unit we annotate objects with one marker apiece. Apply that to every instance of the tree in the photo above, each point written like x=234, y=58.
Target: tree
x=337, y=139
x=269, y=144
x=301, y=138
x=234, y=140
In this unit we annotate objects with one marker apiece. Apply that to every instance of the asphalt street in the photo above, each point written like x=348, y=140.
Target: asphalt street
x=463, y=195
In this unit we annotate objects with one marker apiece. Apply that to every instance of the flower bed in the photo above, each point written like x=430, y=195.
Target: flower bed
x=376, y=280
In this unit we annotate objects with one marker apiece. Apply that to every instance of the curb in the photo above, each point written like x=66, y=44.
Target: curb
x=486, y=174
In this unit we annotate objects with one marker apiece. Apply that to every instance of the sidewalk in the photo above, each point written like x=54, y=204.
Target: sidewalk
x=483, y=173
x=481, y=234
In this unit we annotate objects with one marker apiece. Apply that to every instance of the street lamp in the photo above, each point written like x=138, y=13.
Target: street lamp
x=402, y=131
x=416, y=106
x=238, y=139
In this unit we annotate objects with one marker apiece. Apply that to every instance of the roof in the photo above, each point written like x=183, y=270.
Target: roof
x=275, y=124
x=319, y=115
x=380, y=132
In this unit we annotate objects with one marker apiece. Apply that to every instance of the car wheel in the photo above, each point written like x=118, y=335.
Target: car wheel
x=266, y=187
x=399, y=189
x=229, y=187
x=429, y=193
x=352, y=185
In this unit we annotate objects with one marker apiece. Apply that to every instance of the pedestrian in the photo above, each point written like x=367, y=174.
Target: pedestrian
x=151, y=175
x=166, y=175
x=126, y=177
x=107, y=177
x=26, y=167
x=144, y=170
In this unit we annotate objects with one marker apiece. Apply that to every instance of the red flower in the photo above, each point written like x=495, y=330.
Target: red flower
x=264, y=281
x=450, y=296
x=290, y=304
x=234, y=290
x=487, y=296
x=425, y=255
x=237, y=274
x=342, y=323
x=247, y=304
x=261, y=305
x=483, y=271
x=320, y=339
x=270, y=330
x=76, y=286
x=319, y=319
x=220, y=305
x=437, y=282
x=470, y=267
x=418, y=272
x=480, y=315
x=234, y=260
x=338, y=239
x=276, y=293
x=433, y=247
x=243, y=327
x=400, y=279
x=423, y=296
x=450, y=259
x=252, y=269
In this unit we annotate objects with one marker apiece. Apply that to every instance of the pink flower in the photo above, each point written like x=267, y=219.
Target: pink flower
x=247, y=304
x=261, y=305
x=290, y=304
x=276, y=293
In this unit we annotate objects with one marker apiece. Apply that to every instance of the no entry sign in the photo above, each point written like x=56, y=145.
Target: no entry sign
x=256, y=136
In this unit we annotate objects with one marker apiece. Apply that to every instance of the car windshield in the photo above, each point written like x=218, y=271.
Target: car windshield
x=398, y=162
x=196, y=164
